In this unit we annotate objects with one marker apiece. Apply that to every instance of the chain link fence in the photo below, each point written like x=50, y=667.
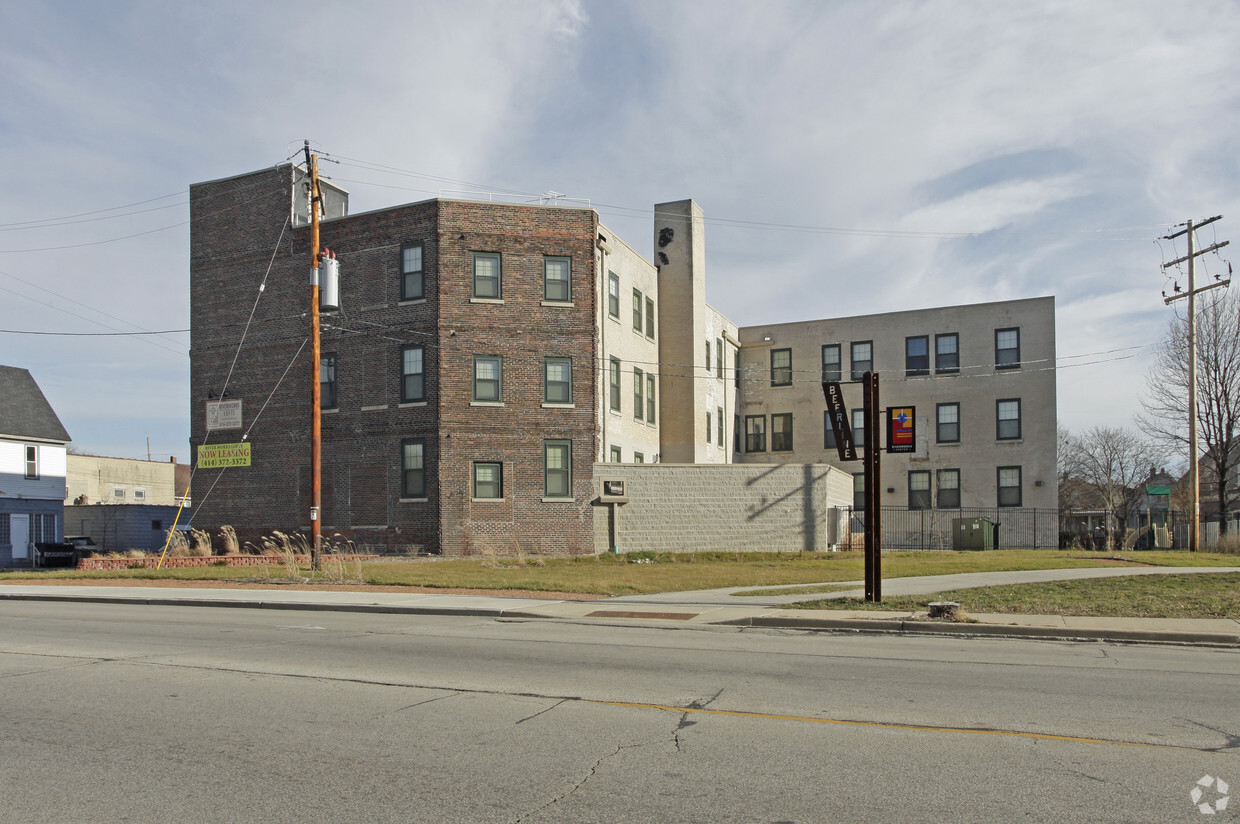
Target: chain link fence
x=968, y=528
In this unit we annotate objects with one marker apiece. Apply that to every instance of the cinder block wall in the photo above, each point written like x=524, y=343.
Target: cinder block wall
x=733, y=508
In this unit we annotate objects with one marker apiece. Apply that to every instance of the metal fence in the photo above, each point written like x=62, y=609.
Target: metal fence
x=904, y=528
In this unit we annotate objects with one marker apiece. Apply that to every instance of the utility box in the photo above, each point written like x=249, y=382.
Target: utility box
x=974, y=533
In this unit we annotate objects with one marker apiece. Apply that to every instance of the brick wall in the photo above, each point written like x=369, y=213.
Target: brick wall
x=236, y=223
x=733, y=508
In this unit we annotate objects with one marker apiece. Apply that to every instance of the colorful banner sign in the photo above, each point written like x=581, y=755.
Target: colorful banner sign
x=901, y=429
x=223, y=455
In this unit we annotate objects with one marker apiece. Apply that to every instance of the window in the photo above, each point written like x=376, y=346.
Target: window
x=859, y=491
x=412, y=374
x=6, y=530
x=736, y=369
x=831, y=362
x=413, y=470
x=139, y=494
x=42, y=529
x=719, y=358
x=708, y=429
x=614, y=384
x=1009, y=486
x=118, y=492
x=947, y=423
x=1007, y=414
x=916, y=356
x=858, y=428
x=781, y=432
x=613, y=294
x=736, y=433
x=638, y=324
x=488, y=480
x=1007, y=348
x=488, y=378
x=862, y=354
x=828, y=434
x=558, y=469
x=32, y=462
x=487, y=275
x=949, y=489
x=558, y=380
x=639, y=405
x=639, y=457
x=412, y=286
x=755, y=433
x=615, y=454
x=781, y=367
x=650, y=399
x=719, y=434
x=947, y=353
x=919, y=489
x=708, y=357
x=557, y=282
x=327, y=381
x=650, y=318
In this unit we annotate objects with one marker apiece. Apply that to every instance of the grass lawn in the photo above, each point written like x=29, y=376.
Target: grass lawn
x=1200, y=595
x=644, y=572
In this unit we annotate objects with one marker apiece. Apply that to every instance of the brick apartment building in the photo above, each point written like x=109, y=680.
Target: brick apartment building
x=484, y=358
x=488, y=358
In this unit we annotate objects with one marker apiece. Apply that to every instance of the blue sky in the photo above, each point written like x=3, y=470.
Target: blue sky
x=851, y=157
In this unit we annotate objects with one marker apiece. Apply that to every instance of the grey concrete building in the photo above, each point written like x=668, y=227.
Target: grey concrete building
x=981, y=378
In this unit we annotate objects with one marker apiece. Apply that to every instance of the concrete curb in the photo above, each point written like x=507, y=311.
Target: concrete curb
x=905, y=626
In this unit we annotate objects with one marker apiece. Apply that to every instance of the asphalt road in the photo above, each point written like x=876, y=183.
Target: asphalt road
x=172, y=714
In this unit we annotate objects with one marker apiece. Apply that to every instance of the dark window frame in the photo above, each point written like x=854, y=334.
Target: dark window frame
x=857, y=367
x=410, y=276
x=498, y=278
x=613, y=295
x=947, y=497
x=498, y=380
x=836, y=373
x=999, y=487
x=947, y=362
x=755, y=436
x=781, y=441
x=1007, y=361
x=613, y=384
x=419, y=389
x=498, y=483
x=417, y=474
x=939, y=423
x=781, y=374
x=916, y=365
x=1000, y=421
x=639, y=397
x=566, y=471
x=919, y=499
x=560, y=284
x=548, y=383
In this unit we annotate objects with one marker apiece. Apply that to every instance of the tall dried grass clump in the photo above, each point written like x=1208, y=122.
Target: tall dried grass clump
x=178, y=546
x=199, y=543
x=1229, y=544
x=231, y=545
x=338, y=569
x=286, y=548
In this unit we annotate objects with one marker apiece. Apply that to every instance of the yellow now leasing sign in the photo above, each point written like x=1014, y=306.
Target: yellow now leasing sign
x=221, y=455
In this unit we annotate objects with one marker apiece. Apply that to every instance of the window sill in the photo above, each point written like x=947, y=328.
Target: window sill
x=487, y=500
x=412, y=500
x=374, y=408
x=559, y=500
x=331, y=411
x=560, y=304
x=947, y=443
x=486, y=300
x=559, y=406
x=411, y=404
x=486, y=403
x=1010, y=440
x=613, y=318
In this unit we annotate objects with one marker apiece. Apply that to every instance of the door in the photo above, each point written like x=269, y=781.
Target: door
x=20, y=530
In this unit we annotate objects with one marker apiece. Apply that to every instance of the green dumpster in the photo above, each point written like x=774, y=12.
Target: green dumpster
x=974, y=533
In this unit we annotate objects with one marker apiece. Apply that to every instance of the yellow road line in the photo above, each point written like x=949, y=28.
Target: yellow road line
x=884, y=725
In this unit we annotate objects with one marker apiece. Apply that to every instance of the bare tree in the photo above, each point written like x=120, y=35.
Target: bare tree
x=1218, y=393
x=1111, y=464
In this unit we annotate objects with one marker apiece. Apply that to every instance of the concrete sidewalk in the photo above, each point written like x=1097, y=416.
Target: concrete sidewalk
x=710, y=607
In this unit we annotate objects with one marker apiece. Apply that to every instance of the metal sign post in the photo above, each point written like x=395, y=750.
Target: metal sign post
x=873, y=488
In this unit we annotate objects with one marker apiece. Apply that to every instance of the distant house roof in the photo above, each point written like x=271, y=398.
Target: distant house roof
x=24, y=412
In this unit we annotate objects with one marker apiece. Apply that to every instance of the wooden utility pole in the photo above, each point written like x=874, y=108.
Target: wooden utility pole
x=1194, y=461
x=316, y=414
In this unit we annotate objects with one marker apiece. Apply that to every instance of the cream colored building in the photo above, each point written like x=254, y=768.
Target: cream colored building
x=980, y=377
x=667, y=358
x=96, y=480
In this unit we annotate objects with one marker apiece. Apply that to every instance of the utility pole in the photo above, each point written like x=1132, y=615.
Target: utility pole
x=316, y=414
x=1194, y=463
